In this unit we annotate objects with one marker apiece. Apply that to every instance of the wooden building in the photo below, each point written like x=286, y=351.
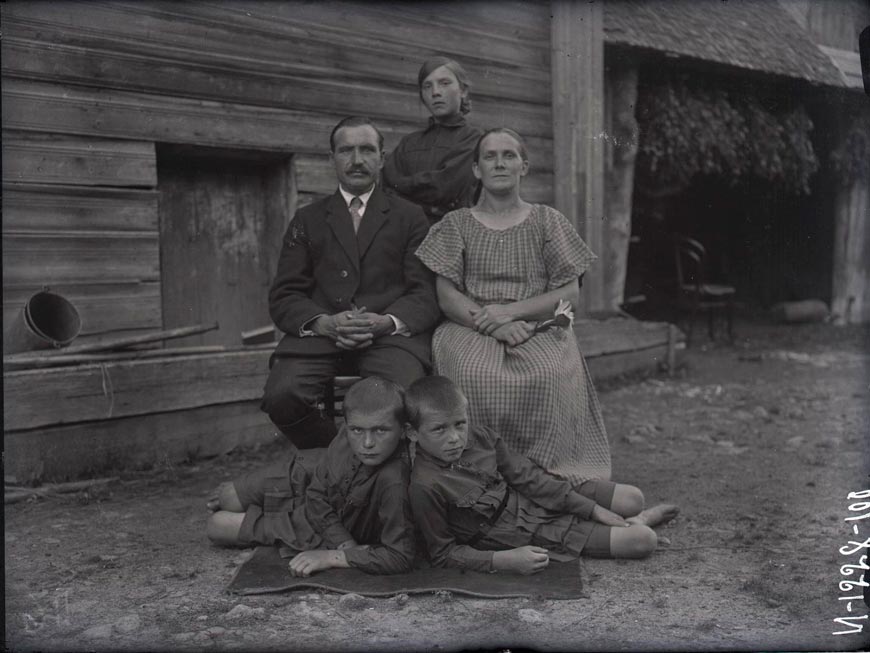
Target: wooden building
x=153, y=153
x=786, y=54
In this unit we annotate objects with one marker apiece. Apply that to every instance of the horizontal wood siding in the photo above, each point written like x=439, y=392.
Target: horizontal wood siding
x=80, y=216
x=94, y=392
x=102, y=306
x=113, y=390
x=65, y=208
x=43, y=159
x=263, y=74
x=837, y=23
x=82, y=78
x=89, y=89
x=67, y=452
x=315, y=174
x=95, y=245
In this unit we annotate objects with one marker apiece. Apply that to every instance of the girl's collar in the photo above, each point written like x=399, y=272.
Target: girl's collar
x=456, y=121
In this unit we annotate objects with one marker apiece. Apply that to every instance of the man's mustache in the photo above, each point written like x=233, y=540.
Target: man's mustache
x=358, y=169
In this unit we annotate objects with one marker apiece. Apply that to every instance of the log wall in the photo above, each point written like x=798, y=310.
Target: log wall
x=89, y=89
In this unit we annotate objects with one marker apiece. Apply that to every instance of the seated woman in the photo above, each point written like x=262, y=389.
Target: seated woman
x=432, y=167
x=502, y=266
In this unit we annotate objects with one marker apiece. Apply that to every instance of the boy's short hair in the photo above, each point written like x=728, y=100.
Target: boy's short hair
x=431, y=391
x=375, y=393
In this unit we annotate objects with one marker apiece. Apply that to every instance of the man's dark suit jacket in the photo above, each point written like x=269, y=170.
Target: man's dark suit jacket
x=326, y=268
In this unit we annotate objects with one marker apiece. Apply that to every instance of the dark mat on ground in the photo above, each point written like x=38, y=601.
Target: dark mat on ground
x=266, y=572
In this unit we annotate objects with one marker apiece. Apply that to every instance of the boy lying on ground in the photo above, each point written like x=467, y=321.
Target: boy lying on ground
x=481, y=506
x=344, y=506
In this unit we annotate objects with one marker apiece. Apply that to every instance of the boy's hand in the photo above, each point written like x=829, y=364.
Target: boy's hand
x=607, y=517
x=525, y=560
x=514, y=333
x=309, y=562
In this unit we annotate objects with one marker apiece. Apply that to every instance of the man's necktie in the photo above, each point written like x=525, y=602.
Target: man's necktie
x=355, y=206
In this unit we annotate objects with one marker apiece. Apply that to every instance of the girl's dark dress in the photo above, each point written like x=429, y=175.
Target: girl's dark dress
x=432, y=167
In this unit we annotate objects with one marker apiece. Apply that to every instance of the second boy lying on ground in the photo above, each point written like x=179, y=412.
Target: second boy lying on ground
x=481, y=506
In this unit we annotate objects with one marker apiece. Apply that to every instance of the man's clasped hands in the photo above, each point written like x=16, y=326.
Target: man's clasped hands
x=354, y=329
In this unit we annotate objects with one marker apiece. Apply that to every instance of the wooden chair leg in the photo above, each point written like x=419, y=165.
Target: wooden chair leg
x=329, y=399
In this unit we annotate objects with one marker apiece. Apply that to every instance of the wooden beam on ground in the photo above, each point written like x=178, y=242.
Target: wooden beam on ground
x=620, y=346
x=617, y=335
x=24, y=362
x=35, y=398
x=609, y=365
x=120, y=342
x=577, y=64
x=14, y=494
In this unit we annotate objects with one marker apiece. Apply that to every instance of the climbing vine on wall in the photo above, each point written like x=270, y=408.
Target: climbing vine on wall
x=690, y=128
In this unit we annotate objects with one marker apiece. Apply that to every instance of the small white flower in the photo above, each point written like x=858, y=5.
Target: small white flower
x=565, y=308
x=563, y=317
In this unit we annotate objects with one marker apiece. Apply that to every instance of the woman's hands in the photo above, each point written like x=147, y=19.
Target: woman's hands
x=514, y=333
x=497, y=320
x=491, y=317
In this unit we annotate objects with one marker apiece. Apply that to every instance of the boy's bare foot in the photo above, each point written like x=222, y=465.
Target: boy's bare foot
x=655, y=516
x=225, y=498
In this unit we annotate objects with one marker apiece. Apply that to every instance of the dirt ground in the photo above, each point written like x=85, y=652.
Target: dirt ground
x=759, y=443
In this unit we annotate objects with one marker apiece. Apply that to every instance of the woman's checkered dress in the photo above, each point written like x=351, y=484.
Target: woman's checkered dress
x=537, y=396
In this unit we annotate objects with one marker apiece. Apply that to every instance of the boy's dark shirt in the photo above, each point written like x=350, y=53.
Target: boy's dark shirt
x=452, y=501
x=348, y=500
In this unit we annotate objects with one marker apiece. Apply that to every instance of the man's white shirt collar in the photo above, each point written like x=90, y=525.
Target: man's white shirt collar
x=364, y=198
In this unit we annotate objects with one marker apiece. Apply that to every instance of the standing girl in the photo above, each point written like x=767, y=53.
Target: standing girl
x=432, y=167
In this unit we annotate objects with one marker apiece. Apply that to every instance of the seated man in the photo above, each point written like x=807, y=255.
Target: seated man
x=349, y=292
x=481, y=506
x=345, y=506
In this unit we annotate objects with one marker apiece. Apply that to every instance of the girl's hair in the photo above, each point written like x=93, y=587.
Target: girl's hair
x=431, y=65
x=431, y=392
x=524, y=153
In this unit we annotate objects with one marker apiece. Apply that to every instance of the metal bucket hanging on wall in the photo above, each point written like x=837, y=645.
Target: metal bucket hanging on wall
x=47, y=320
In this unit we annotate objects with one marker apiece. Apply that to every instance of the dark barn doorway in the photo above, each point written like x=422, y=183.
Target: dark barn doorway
x=771, y=246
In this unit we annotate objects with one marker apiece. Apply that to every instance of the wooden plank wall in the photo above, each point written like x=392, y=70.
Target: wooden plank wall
x=80, y=216
x=837, y=23
x=578, y=118
x=89, y=88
